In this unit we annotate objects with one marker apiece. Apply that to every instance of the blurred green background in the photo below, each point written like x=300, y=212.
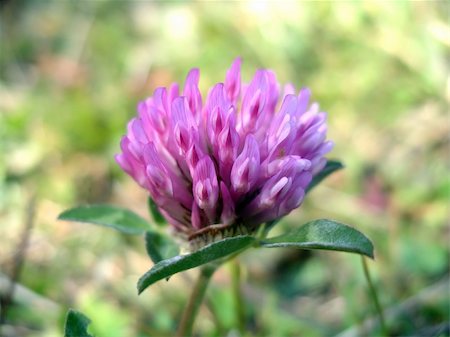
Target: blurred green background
x=71, y=76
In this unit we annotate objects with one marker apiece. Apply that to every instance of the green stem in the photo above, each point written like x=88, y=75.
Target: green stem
x=373, y=293
x=193, y=305
x=237, y=295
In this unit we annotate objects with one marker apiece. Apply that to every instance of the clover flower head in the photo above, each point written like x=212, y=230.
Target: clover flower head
x=223, y=166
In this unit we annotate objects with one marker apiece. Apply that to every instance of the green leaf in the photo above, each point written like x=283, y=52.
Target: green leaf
x=157, y=216
x=160, y=247
x=324, y=234
x=120, y=219
x=76, y=324
x=330, y=167
x=209, y=253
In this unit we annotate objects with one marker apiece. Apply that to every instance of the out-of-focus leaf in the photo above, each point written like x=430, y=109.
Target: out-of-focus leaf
x=324, y=234
x=330, y=167
x=76, y=324
x=160, y=247
x=270, y=225
x=120, y=219
x=157, y=216
x=209, y=253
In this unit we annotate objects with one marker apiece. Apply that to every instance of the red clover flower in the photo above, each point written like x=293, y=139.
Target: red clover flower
x=224, y=166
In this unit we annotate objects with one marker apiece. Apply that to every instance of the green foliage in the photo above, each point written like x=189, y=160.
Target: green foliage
x=160, y=247
x=319, y=234
x=323, y=234
x=76, y=324
x=207, y=254
x=154, y=211
x=120, y=219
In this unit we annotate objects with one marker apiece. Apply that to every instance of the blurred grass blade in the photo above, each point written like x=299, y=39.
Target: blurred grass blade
x=211, y=252
x=154, y=211
x=324, y=234
x=159, y=246
x=76, y=324
x=120, y=219
x=330, y=167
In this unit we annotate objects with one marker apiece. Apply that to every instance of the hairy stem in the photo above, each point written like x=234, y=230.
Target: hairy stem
x=237, y=295
x=373, y=293
x=196, y=298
